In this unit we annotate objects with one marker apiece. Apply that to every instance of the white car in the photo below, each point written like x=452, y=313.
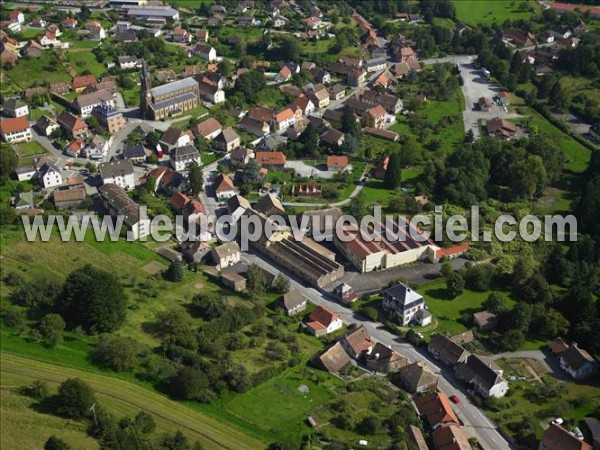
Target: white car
x=557, y=421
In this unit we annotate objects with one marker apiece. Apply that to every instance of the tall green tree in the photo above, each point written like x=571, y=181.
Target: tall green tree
x=393, y=173
x=52, y=327
x=196, y=179
x=74, y=398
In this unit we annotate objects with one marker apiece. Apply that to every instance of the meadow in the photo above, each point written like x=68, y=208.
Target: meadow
x=486, y=12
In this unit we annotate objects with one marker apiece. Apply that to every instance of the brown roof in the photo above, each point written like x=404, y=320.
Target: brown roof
x=558, y=345
x=450, y=438
x=436, y=409
x=178, y=201
x=417, y=375
x=377, y=111
x=557, y=438
x=262, y=113
x=70, y=122
x=482, y=318
x=292, y=299
x=14, y=124
x=447, y=349
x=359, y=340
x=496, y=124
x=69, y=195
x=268, y=202
x=284, y=115
x=334, y=358
x=339, y=162
x=207, y=127
x=270, y=158
x=223, y=183
x=381, y=352
x=83, y=81
x=463, y=338
x=322, y=316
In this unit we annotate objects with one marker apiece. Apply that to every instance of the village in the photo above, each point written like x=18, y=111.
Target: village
x=254, y=109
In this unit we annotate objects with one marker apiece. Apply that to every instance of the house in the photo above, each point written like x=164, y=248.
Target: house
x=74, y=148
x=356, y=77
x=293, y=302
x=450, y=438
x=345, y=293
x=208, y=129
x=248, y=21
x=337, y=92
x=15, y=130
x=126, y=36
x=227, y=140
x=119, y=204
x=593, y=426
x=81, y=82
x=211, y=92
x=226, y=255
x=483, y=374
x=128, y=62
x=485, y=320
x=560, y=33
x=333, y=359
x=401, y=303
x=284, y=119
x=25, y=173
x=320, y=76
x=269, y=204
x=153, y=15
x=218, y=9
x=555, y=437
x=337, y=163
x=223, y=187
x=16, y=108
x=358, y=343
x=376, y=64
x=578, y=363
x=48, y=39
x=320, y=96
x=416, y=378
x=279, y=21
x=253, y=126
x=444, y=349
x=485, y=104
x=237, y=206
x=271, y=160
x=501, y=128
x=182, y=36
x=504, y=98
x=262, y=113
x=194, y=251
x=436, y=410
x=305, y=104
x=96, y=31
x=202, y=35
x=312, y=23
x=205, y=51
x=382, y=134
x=384, y=360
x=174, y=137
x=68, y=198
x=109, y=118
x=240, y=156
x=135, y=153
x=85, y=103
x=406, y=55
x=182, y=157
x=118, y=172
x=16, y=16
x=375, y=117
x=322, y=322
x=49, y=175
x=97, y=148
x=518, y=38
x=8, y=55
x=72, y=125
x=216, y=20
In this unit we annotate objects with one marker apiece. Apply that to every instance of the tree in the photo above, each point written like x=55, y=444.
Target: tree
x=152, y=139
x=8, y=161
x=370, y=425
x=494, y=303
x=290, y=48
x=251, y=173
x=52, y=327
x=455, y=284
x=54, y=443
x=349, y=123
x=38, y=390
x=479, y=277
x=144, y=422
x=176, y=327
x=208, y=306
x=528, y=178
x=74, y=399
x=250, y=84
x=190, y=384
x=255, y=280
x=225, y=67
x=393, y=172
x=558, y=97
x=310, y=139
x=196, y=179
x=85, y=13
x=118, y=353
x=446, y=269
x=93, y=299
x=175, y=271
x=281, y=284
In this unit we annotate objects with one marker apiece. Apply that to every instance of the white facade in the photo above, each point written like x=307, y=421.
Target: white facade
x=126, y=181
x=18, y=136
x=51, y=178
x=20, y=111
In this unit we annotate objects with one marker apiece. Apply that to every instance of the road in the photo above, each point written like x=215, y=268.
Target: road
x=475, y=422
x=475, y=86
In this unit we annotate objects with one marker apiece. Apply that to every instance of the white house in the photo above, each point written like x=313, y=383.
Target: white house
x=47, y=39
x=402, y=303
x=322, y=322
x=226, y=255
x=17, y=16
x=128, y=62
x=50, y=175
x=25, y=173
x=16, y=108
x=15, y=130
x=85, y=103
x=182, y=157
x=483, y=375
x=98, y=147
x=46, y=125
x=118, y=172
x=205, y=51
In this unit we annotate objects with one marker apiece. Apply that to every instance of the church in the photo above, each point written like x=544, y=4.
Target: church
x=168, y=99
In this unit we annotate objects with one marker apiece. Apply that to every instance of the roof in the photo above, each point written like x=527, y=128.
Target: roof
x=450, y=438
x=267, y=203
x=436, y=409
x=14, y=124
x=292, y=299
x=381, y=352
x=417, y=375
x=339, y=162
x=385, y=134
x=576, y=357
x=135, y=151
x=333, y=136
x=464, y=338
x=377, y=111
x=223, y=183
x=322, y=316
x=228, y=135
x=448, y=350
x=572, y=7
x=169, y=88
x=557, y=438
x=83, y=80
x=270, y=158
x=497, y=124
x=285, y=72
x=594, y=426
x=404, y=293
x=481, y=371
x=483, y=317
x=359, y=340
x=71, y=122
x=286, y=114
x=207, y=127
x=115, y=168
x=171, y=136
x=237, y=201
x=93, y=98
x=69, y=195
x=558, y=345
x=227, y=249
x=334, y=358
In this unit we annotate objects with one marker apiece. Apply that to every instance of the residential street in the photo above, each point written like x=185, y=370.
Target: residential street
x=475, y=422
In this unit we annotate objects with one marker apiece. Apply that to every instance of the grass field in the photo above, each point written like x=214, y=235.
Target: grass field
x=29, y=71
x=126, y=398
x=486, y=12
x=83, y=59
x=31, y=148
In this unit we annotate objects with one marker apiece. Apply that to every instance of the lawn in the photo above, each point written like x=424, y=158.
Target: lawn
x=486, y=12
x=30, y=71
x=26, y=149
x=83, y=59
x=278, y=407
x=122, y=397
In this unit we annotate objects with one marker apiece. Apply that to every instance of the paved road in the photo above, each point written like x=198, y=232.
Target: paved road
x=475, y=422
x=475, y=86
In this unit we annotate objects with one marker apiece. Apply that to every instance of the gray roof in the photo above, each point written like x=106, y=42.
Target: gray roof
x=135, y=151
x=156, y=11
x=93, y=98
x=115, y=168
x=228, y=135
x=292, y=299
x=272, y=141
x=169, y=88
x=479, y=370
x=14, y=103
x=26, y=169
x=404, y=293
x=172, y=101
x=105, y=111
x=184, y=152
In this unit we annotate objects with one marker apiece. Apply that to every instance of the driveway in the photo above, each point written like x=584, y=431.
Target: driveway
x=475, y=86
x=305, y=170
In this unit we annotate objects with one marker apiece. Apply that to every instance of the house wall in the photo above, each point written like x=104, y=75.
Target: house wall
x=126, y=182
x=499, y=390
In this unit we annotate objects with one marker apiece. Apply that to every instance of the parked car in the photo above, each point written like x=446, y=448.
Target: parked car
x=455, y=399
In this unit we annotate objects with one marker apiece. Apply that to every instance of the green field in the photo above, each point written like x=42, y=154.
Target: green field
x=486, y=12
x=26, y=149
x=83, y=59
x=30, y=71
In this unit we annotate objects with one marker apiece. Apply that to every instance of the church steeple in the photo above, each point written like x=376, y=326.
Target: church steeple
x=146, y=86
